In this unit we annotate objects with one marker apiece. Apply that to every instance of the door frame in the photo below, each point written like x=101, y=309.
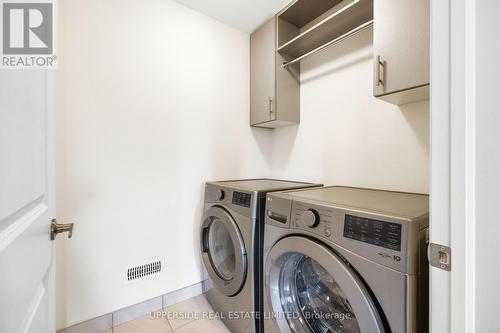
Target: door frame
x=51, y=185
x=452, y=114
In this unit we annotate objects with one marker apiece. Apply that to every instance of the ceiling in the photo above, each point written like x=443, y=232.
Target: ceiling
x=245, y=15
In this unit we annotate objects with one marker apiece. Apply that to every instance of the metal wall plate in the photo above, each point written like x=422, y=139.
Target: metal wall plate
x=439, y=256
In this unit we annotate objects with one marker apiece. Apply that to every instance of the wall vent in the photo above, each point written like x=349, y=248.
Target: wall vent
x=134, y=273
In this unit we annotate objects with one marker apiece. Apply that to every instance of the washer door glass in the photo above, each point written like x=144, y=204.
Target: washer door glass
x=314, y=298
x=222, y=251
x=311, y=289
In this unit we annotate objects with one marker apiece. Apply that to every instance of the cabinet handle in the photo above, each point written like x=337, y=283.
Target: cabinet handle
x=379, y=63
x=270, y=105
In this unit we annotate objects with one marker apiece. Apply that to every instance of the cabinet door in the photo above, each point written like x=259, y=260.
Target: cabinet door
x=401, y=42
x=262, y=73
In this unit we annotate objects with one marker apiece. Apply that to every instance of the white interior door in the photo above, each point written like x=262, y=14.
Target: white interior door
x=465, y=164
x=26, y=202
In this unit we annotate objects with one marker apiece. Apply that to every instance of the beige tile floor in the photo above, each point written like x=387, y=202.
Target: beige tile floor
x=196, y=311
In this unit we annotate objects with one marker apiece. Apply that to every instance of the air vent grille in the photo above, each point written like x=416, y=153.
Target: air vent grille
x=134, y=273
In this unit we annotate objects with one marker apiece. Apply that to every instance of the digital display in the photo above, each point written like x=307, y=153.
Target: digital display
x=380, y=233
x=241, y=199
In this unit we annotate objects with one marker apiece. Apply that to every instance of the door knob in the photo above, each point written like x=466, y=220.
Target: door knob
x=56, y=228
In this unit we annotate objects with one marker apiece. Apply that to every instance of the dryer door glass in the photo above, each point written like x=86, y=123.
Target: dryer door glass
x=222, y=250
x=311, y=289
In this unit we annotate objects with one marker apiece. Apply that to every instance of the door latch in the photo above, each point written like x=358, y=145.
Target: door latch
x=439, y=256
x=56, y=228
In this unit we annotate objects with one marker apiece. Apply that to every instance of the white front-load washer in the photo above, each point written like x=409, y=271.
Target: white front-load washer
x=341, y=259
x=231, y=248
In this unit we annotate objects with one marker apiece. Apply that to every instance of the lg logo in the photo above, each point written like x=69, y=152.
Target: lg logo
x=27, y=28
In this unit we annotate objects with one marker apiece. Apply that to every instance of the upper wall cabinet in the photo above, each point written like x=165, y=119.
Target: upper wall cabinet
x=302, y=28
x=274, y=90
x=401, y=50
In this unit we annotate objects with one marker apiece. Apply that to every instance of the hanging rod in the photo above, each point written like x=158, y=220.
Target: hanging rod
x=330, y=43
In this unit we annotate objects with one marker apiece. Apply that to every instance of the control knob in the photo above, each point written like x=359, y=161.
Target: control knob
x=310, y=218
x=220, y=194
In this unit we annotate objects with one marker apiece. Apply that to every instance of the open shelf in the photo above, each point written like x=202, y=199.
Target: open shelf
x=300, y=13
x=304, y=26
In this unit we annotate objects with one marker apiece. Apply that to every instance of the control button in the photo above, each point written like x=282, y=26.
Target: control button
x=220, y=195
x=310, y=218
x=328, y=233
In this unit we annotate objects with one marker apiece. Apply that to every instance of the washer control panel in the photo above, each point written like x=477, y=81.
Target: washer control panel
x=317, y=219
x=311, y=218
x=379, y=226
x=380, y=233
x=383, y=241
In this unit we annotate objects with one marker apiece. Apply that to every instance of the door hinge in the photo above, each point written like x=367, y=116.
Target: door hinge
x=439, y=256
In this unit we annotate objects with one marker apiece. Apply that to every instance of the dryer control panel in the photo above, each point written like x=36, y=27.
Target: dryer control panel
x=238, y=201
x=242, y=199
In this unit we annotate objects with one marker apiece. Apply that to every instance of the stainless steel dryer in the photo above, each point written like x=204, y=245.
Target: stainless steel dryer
x=231, y=245
x=341, y=259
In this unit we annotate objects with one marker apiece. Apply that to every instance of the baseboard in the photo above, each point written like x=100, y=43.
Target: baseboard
x=135, y=311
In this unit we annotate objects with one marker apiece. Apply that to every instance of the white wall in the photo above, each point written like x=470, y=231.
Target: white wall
x=153, y=100
x=348, y=137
